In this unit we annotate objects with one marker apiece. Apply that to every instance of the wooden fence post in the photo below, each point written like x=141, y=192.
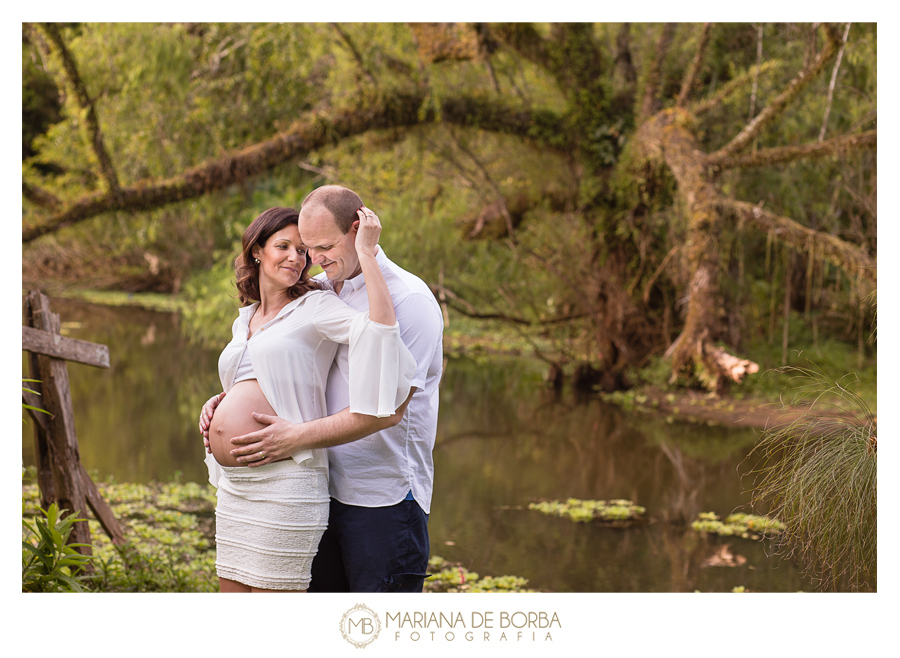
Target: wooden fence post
x=61, y=476
x=41, y=446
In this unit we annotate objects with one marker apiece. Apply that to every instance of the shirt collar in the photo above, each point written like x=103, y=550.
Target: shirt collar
x=246, y=312
x=358, y=282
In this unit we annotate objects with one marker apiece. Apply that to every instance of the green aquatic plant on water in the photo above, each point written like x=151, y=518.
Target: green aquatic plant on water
x=748, y=526
x=818, y=475
x=582, y=511
x=454, y=578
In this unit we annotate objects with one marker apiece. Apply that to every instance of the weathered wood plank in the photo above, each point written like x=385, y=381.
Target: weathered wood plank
x=70, y=349
x=101, y=509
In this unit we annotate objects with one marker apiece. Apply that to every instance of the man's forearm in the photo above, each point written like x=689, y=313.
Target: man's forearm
x=343, y=427
x=337, y=429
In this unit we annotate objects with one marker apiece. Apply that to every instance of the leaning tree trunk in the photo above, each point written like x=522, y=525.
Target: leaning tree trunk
x=666, y=136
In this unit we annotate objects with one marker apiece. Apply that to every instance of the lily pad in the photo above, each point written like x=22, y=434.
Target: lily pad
x=614, y=512
x=748, y=526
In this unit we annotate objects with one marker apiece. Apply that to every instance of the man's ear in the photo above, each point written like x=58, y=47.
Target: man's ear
x=354, y=228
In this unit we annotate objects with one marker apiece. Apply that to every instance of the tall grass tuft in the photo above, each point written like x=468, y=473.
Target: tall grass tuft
x=818, y=476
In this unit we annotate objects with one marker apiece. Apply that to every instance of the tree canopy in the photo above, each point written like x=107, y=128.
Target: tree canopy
x=622, y=191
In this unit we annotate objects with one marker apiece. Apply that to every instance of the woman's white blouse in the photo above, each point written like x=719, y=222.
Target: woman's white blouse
x=292, y=355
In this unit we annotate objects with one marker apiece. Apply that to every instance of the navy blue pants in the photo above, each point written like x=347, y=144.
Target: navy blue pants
x=372, y=549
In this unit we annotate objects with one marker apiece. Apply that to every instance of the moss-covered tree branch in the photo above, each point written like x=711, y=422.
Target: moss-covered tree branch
x=311, y=132
x=851, y=258
x=702, y=106
x=651, y=100
x=690, y=78
x=843, y=145
x=40, y=197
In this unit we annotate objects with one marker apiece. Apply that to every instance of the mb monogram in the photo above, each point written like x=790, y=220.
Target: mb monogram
x=360, y=625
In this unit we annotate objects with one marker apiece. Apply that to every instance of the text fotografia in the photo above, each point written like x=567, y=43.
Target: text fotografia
x=478, y=626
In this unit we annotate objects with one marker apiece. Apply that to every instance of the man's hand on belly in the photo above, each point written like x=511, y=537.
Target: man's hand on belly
x=274, y=442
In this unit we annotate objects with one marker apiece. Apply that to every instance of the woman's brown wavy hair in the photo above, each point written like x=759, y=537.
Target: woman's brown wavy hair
x=260, y=230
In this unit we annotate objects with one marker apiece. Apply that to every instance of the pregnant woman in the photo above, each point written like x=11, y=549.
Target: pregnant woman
x=269, y=518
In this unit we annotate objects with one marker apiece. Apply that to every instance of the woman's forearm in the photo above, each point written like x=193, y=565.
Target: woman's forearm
x=381, y=308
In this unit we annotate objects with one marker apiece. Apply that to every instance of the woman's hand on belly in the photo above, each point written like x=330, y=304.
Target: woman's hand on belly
x=234, y=417
x=277, y=439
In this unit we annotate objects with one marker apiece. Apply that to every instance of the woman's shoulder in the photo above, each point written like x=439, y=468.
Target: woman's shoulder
x=317, y=295
x=321, y=294
x=312, y=301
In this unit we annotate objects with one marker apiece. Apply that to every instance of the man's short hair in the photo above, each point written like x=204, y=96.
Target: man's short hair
x=339, y=201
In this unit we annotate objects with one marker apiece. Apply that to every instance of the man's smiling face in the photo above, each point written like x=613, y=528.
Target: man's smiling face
x=327, y=247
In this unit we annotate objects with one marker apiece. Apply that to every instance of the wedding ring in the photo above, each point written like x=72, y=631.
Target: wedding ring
x=262, y=454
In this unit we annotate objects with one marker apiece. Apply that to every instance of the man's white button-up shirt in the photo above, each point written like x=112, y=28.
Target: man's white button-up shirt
x=380, y=469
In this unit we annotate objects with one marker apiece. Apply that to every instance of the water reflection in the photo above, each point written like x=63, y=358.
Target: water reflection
x=135, y=421
x=498, y=452
x=503, y=441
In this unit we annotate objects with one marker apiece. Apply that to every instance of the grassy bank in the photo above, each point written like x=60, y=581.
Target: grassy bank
x=170, y=534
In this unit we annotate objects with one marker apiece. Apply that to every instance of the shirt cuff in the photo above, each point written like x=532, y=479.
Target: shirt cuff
x=303, y=457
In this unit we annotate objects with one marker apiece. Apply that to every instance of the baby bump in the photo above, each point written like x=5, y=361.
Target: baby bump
x=233, y=417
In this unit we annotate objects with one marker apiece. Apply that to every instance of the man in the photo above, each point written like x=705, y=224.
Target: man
x=380, y=469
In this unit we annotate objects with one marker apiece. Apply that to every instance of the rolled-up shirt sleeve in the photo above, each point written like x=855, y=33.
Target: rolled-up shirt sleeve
x=381, y=366
x=421, y=328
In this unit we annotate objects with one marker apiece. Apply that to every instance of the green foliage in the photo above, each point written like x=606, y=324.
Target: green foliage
x=29, y=406
x=597, y=224
x=166, y=569
x=169, y=532
x=40, y=98
x=614, y=511
x=830, y=353
x=454, y=578
x=740, y=525
x=49, y=563
x=656, y=373
x=819, y=476
x=211, y=305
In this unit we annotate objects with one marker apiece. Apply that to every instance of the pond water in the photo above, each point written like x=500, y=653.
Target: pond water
x=503, y=441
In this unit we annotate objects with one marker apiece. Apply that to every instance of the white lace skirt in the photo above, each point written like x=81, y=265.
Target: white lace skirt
x=269, y=520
